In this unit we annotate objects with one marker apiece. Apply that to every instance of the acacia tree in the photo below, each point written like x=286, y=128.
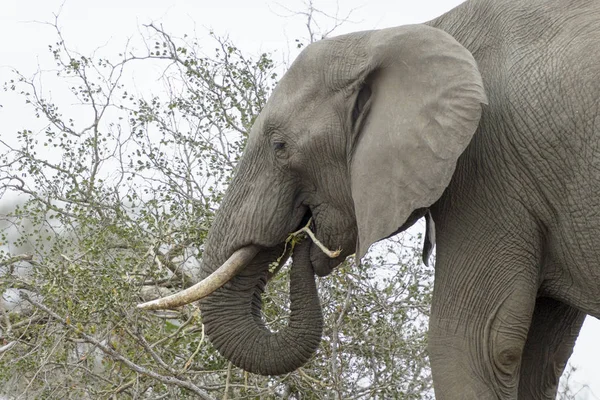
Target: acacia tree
x=112, y=201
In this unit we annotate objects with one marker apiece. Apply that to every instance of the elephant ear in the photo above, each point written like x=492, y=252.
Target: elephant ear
x=417, y=106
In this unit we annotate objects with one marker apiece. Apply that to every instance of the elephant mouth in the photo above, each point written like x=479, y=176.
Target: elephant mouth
x=307, y=221
x=322, y=263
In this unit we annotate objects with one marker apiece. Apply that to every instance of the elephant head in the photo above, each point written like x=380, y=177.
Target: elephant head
x=361, y=134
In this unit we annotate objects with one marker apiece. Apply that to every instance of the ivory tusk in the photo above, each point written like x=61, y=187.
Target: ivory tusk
x=221, y=276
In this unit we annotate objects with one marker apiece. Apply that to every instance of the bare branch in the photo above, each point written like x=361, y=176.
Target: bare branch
x=7, y=347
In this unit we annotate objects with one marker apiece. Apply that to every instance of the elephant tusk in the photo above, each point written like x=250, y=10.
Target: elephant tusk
x=221, y=276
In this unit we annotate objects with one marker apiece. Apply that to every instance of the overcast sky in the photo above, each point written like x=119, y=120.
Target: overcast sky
x=254, y=25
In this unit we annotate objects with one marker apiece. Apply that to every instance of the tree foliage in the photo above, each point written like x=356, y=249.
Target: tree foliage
x=107, y=195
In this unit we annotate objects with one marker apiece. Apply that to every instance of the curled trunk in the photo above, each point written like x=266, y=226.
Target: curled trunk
x=233, y=320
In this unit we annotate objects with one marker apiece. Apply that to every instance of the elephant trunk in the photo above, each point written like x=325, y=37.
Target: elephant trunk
x=233, y=320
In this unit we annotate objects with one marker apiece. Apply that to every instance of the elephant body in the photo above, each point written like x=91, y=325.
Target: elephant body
x=517, y=229
x=487, y=119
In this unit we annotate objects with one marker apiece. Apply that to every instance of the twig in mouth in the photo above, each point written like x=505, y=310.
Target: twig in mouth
x=277, y=264
x=306, y=229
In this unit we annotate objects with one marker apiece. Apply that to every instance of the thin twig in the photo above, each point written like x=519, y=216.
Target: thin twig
x=189, y=361
x=142, y=340
x=125, y=386
x=226, y=394
x=335, y=343
x=181, y=327
x=310, y=378
x=306, y=229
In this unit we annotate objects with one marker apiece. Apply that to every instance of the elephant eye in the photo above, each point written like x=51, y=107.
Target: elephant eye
x=278, y=146
x=280, y=149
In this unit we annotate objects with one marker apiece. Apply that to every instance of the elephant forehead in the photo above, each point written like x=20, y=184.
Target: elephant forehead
x=297, y=91
x=297, y=101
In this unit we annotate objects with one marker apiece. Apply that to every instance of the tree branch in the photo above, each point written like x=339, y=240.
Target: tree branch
x=168, y=380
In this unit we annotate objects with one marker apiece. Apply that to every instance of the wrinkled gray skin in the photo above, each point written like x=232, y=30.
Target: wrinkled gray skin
x=488, y=117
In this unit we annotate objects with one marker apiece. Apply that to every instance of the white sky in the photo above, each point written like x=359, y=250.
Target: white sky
x=253, y=25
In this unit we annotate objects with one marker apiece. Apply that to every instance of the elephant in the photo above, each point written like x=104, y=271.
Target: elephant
x=485, y=120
